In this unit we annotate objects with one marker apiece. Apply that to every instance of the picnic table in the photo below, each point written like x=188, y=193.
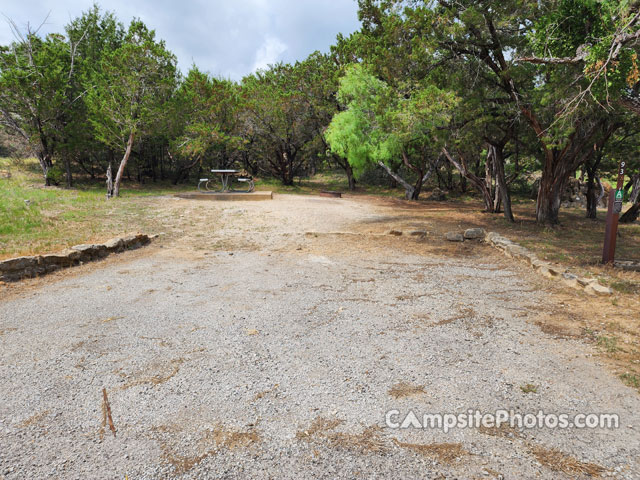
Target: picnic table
x=226, y=177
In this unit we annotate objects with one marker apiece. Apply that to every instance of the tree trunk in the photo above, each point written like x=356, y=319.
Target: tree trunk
x=45, y=164
x=409, y=190
x=549, y=196
x=635, y=191
x=501, y=183
x=479, y=183
x=350, y=177
x=123, y=164
x=67, y=167
x=633, y=213
x=109, y=182
x=592, y=198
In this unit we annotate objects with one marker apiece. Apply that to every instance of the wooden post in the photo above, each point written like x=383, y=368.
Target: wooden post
x=613, y=214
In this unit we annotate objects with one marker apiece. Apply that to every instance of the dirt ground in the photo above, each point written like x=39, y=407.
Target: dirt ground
x=271, y=339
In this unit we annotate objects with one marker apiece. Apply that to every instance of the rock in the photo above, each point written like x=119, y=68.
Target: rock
x=532, y=258
x=21, y=267
x=628, y=265
x=594, y=288
x=90, y=252
x=418, y=233
x=454, y=237
x=516, y=251
x=584, y=281
x=114, y=245
x=555, y=271
x=58, y=260
x=395, y=233
x=570, y=280
x=544, y=271
x=474, y=233
x=132, y=242
x=19, y=263
x=437, y=195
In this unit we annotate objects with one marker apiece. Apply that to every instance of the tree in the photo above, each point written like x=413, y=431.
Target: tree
x=130, y=91
x=490, y=36
x=93, y=34
x=204, y=122
x=380, y=126
x=279, y=119
x=35, y=85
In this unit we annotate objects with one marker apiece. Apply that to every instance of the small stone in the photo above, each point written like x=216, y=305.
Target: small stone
x=474, y=233
x=395, y=233
x=594, y=288
x=454, y=237
x=418, y=233
x=570, y=280
x=544, y=271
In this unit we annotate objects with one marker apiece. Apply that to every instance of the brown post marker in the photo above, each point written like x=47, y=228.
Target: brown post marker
x=613, y=213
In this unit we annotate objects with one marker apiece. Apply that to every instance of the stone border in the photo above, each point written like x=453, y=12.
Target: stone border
x=628, y=265
x=15, y=269
x=513, y=250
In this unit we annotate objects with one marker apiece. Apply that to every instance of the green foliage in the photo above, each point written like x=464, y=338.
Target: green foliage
x=380, y=124
x=590, y=27
x=129, y=90
x=35, y=86
x=206, y=110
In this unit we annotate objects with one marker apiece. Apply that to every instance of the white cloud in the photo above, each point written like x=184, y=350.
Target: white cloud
x=268, y=53
x=226, y=38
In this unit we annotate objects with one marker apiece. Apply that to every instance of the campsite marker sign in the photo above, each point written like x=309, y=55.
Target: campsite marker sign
x=615, y=208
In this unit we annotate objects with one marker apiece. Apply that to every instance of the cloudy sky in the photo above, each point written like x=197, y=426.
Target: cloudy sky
x=229, y=38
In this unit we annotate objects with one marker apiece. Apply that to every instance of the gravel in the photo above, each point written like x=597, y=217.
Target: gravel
x=276, y=360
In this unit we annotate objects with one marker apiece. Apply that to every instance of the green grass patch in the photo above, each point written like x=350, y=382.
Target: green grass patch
x=608, y=344
x=631, y=379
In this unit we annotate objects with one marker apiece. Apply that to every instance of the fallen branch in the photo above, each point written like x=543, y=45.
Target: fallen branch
x=106, y=414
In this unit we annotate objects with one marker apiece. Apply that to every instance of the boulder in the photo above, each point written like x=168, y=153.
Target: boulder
x=59, y=260
x=19, y=263
x=454, y=237
x=474, y=233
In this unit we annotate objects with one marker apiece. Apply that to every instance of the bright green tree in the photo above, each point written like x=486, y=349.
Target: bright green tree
x=385, y=127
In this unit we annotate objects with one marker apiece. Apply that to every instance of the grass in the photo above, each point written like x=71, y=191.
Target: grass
x=631, y=379
x=529, y=388
x=608, y=344
x=34, y=219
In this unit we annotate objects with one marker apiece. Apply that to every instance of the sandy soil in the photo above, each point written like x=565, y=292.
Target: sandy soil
x=270, y=339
